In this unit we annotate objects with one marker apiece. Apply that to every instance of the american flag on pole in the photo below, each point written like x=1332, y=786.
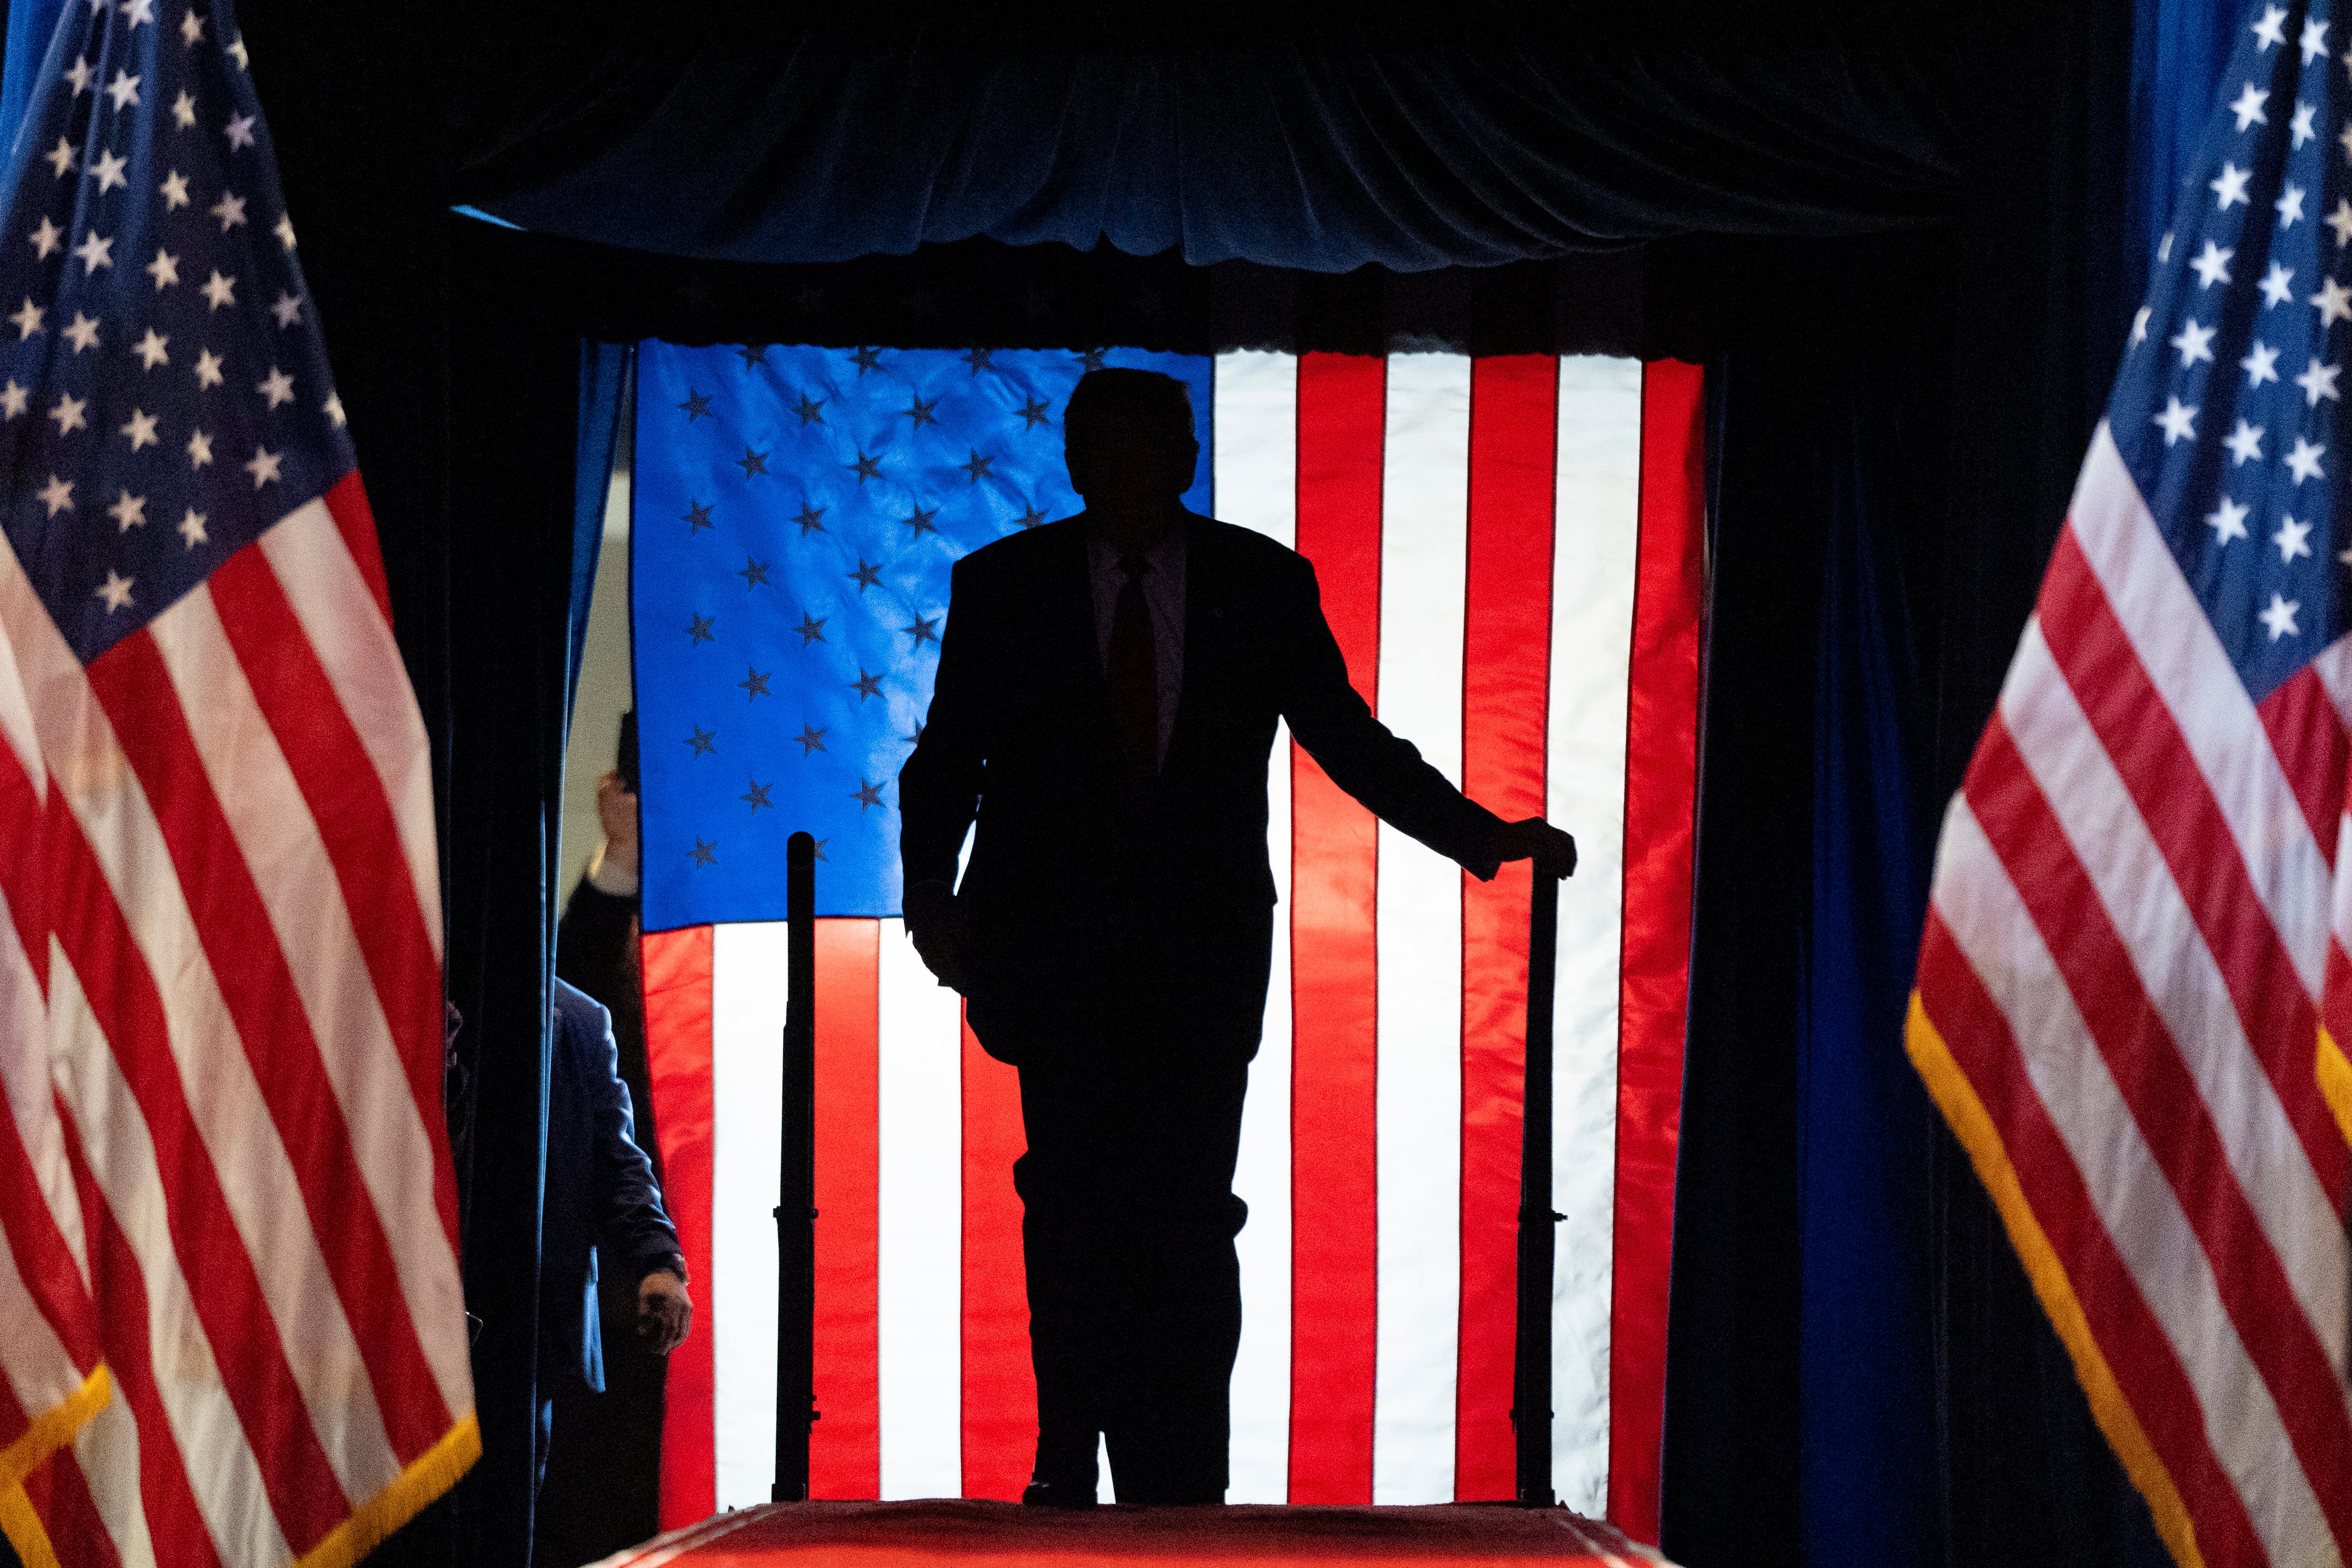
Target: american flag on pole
x=1509, y=552
x=2138, y=929
x=232, y=1330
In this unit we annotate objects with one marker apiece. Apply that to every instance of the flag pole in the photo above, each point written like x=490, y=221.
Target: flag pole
x=1531, y=1368
x=796, y=1183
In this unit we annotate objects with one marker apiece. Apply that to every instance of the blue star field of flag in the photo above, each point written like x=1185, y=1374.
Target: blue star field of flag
x=165, y=395
x=2228, y=409
x=796, y=514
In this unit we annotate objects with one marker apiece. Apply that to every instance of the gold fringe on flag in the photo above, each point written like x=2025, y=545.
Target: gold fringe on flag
x=1973, y=1126
x=55, y=1427
x=433, y=1473
x=2336, y=1082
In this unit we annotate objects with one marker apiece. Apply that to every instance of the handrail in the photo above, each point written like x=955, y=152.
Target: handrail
x=796, y=1183
x=1531, y=1362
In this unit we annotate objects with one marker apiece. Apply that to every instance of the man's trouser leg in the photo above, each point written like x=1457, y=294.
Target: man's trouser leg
x=1134, y=1288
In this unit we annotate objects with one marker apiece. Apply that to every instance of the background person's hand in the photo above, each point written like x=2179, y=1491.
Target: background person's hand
x=935, y=924
x=665, y=1312
x=616, y=811
x=1534, y=838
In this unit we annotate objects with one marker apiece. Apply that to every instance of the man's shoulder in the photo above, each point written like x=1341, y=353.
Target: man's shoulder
x=1242, y=565
x=579, y=1014
x=1017, y=554
x=1246, y=547
x=1022, y=556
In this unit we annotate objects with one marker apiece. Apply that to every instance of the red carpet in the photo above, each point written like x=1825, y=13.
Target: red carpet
x=941, y=1531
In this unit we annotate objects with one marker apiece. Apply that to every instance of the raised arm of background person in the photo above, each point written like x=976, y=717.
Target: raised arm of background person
x=938, y=786
x=592, y=941
x=1371, y=762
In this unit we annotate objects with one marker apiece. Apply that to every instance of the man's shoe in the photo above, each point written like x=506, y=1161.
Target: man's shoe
x=1056, y=1494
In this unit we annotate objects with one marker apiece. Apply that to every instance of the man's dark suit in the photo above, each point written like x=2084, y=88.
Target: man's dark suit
x=603, y=1486
x=1119, y=948
x=601, y=1209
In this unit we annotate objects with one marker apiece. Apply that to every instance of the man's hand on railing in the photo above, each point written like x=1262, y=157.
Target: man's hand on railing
x=1534, y=838
x=935, y=924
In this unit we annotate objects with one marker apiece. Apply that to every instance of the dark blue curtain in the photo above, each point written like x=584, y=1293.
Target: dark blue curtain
x=1387, y=134
x=1864, y=1126
x=1857, y=1370
x=1802, y=1423
x=31, y=24
x=2180, y=49
x=607, y=400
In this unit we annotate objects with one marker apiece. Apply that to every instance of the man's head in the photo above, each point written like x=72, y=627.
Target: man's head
x=1128, y=437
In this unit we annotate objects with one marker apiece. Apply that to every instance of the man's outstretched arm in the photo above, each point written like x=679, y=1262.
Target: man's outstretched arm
x=1385, y=771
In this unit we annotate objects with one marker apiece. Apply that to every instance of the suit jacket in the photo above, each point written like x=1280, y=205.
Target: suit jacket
x=600, y=1195
x=1020, y=739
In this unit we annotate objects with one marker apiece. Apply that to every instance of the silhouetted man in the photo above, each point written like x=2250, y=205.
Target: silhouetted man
x=1106, y=704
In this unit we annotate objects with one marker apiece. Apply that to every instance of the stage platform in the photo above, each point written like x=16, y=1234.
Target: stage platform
x=940, y=1530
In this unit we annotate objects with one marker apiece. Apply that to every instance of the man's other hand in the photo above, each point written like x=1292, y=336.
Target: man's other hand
x=935, y=924
x=663, y=1312
x=1534, y=838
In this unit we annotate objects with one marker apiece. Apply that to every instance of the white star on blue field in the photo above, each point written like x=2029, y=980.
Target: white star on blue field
x=797, y=511
x=2228, y=407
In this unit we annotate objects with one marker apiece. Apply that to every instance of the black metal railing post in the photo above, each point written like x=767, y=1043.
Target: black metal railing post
x=796, y=1183
x=1532, y=1367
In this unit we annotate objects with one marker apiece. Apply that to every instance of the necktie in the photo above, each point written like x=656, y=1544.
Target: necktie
x=1135, y=679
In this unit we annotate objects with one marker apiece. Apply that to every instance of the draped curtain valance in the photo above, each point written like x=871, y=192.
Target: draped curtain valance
x=1501, y=141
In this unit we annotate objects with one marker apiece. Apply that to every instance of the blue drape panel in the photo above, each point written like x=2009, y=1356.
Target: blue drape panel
x=1865, y=1129
x=1803, y=1419
x=608, y=388
x=31, y=24
x=2179, y=48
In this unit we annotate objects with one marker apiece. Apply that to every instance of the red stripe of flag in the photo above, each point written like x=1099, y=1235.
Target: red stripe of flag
x=174, y=1523
x=999, y=1386
x=44, y=1261
x=134, y=687
x=347, y=503
x=303, y=1492
x=675, y=965
x=1335, y=1039
x=340, y=785
x=2308, y=733
x=2175, y=1123
x=1506, y=684
x=845, y=1453
x=2133, y=1344
x=2137, y=729
x=2336, y=1006
x=1653, y=976
x=14, y=1422
x=59, y=1494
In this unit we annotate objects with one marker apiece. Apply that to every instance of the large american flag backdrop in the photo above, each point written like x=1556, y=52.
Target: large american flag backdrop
x=1509, y=551
x=2136, y=945
x=231, y=1328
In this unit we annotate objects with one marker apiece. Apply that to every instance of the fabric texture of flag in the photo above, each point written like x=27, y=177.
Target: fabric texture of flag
x=827, y=631
x=1510, y=553
x=235, y=1332
x=2138, y=927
